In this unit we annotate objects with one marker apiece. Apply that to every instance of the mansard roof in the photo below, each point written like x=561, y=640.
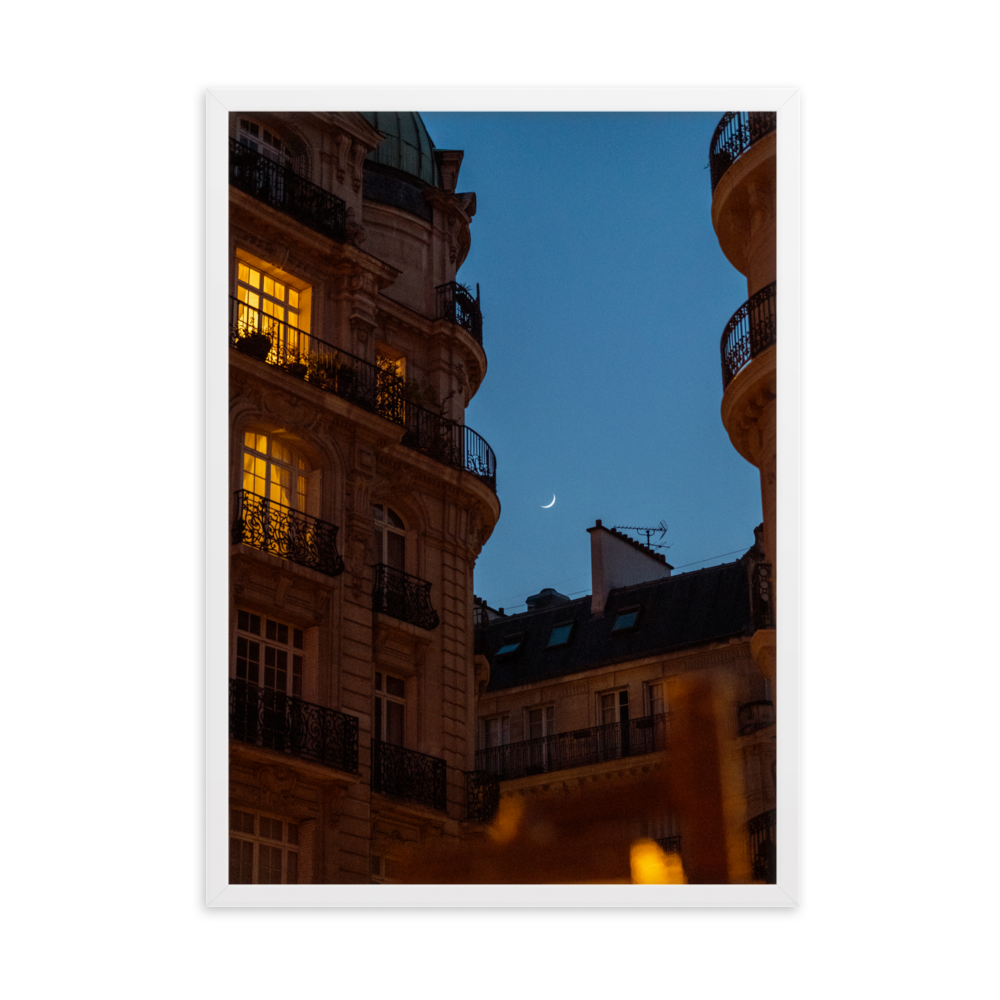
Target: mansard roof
x=676, y=612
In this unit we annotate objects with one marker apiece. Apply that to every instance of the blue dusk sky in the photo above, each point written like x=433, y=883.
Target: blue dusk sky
x=604, y=297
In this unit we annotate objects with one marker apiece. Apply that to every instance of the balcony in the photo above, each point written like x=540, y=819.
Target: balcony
x=750, y=331
x=281, y=188
x=669, y=845
x=272, y=527
x=402, y=596
x=455, y=303
x=333, y=370
x=763, y=851
x=761, y=602
x=755, y=715
x=482, y=796
x=407, y=774
x=736, y=132
x=280, y=722
x=575, y=749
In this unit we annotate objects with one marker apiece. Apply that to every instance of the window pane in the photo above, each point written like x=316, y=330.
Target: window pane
x=394, y=723
x=395, y=686
x=396, y=554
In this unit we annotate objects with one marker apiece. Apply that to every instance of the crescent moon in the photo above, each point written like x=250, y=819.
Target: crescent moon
x=546, y=506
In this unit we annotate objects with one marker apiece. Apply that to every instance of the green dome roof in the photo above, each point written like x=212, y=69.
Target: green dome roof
x=407, y=147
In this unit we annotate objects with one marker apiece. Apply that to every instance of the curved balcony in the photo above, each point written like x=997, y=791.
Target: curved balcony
x=281, y=188
x=575, y=749
x=408, y=774
x=751, y=330
x=456, y=304
x=762, y=832
x=736, y=132
x=402, y=596
x=331, y=369
x=272, y=527
x=286, y=724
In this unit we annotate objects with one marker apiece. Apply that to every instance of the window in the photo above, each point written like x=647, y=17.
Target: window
x=511, y=644
x=541, y=723
x=390, y=537
x=272, y=302
x=656, y=698
x=273, y=471
x=262, y=849
x=391, y=376
x=496, y=731
x=269, y=653
x=384, y=869
x=390, y=702
x=262, y=140
x=560, y=635
x=626, y=620
x=612, y=706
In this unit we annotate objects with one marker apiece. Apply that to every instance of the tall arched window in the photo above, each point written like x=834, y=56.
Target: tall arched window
x=273, y=471
x=390, y=537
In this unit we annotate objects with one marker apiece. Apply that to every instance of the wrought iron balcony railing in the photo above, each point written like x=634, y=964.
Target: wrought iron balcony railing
x=282, y=722
x=670, y=844
x=763, y=846
x=755, y=715
x=334, y=370
x=482, y=796
x=736, y=132
x=407, y=774
x=402, y=596
x=281, y=188
x=762, y=597
x=750, y=330
x=575, y=749
x=455, y=303
x=285, y=532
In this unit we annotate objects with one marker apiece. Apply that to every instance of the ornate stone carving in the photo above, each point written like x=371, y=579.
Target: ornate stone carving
x=343, y=148
x=284, y=408
x=363, y=282
x=357, y=165
x=361, y=327
x=277, y=785
x=355, y=231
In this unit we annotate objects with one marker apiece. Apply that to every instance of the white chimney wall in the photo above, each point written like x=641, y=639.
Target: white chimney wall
x=618, y=561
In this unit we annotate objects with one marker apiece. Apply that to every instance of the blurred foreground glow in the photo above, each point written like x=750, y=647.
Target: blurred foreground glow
x=651, y=866
x=507, y=820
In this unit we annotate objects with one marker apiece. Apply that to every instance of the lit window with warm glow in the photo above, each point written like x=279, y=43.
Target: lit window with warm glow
x=273, y=471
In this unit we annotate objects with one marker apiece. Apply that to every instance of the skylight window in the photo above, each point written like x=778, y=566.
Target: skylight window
x=560, y=635
x=625, y=620
x=510, y=645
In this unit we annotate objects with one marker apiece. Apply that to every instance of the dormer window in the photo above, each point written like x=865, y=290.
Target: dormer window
x=625, y=621
x=511, y=644
x=559, y=636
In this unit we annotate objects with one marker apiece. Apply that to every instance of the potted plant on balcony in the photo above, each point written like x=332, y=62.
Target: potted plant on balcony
x=255, y=343
x=296, y=368
x=322, y=370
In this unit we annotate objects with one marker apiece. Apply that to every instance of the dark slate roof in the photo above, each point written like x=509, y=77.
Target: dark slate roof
x=678, y=612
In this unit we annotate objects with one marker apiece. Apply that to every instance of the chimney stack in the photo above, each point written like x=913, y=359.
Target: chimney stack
x=618, y=561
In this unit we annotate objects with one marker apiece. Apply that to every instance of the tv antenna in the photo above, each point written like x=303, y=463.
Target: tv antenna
x=661, y=529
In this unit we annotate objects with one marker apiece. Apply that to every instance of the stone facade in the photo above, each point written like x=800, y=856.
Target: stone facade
x=348, y=451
